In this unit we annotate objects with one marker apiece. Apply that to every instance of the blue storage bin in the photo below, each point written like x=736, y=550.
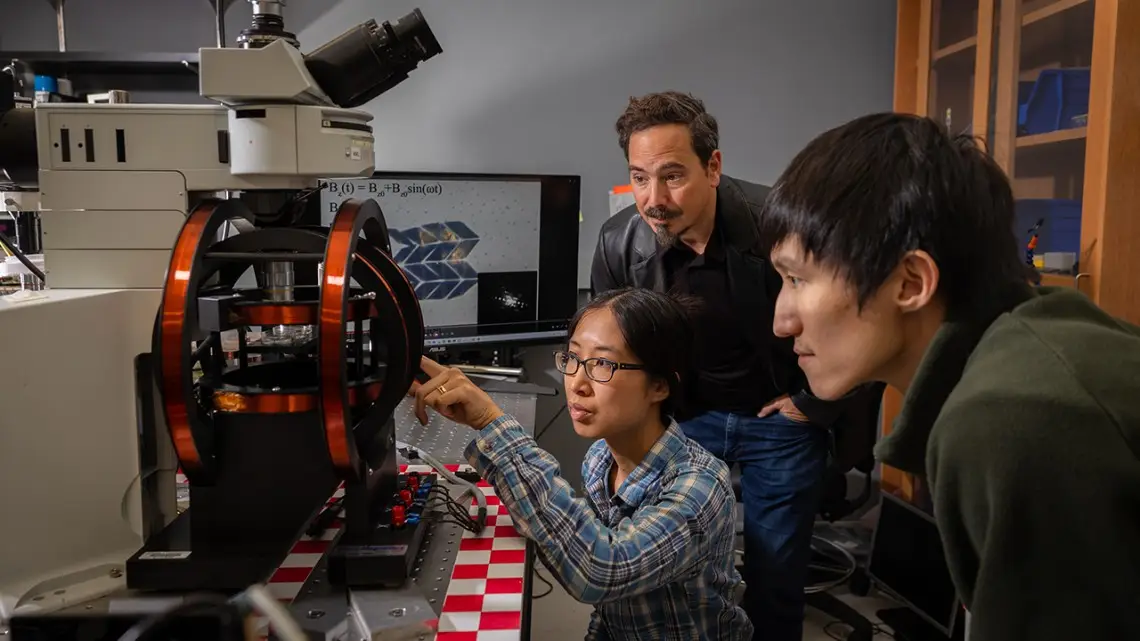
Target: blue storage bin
x=1057, y=96
x=1024, y=91
x=1061, y=231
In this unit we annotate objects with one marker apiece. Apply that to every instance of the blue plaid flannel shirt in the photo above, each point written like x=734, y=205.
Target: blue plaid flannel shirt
x=655, y=558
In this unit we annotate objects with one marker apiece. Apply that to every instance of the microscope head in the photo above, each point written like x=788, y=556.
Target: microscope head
x=295, y=114
x=347, y=72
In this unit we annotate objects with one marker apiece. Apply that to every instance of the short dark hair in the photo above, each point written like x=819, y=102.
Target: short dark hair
x=670, y=108
x=659, y=332
x=862, y=195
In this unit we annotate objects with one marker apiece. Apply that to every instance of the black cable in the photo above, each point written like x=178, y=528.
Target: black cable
x=457, y=512
x=465, y=517
x=465, y=526
x=539, y=433
x=19, y=254
x=453, y=508
x=204, y=347
x=473, y=523
x=549, y=585
x=462, y=518
x=295, y=207
x=158, y=625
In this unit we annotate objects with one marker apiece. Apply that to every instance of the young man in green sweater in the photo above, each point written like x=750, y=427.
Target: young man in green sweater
x=900, y=263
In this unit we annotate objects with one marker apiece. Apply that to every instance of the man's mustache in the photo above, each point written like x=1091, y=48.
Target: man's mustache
x=662, y=213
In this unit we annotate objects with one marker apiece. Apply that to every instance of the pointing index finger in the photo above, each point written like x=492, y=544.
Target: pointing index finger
x=430, y=367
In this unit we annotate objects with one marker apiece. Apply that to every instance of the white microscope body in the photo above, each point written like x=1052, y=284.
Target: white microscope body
x=115, y=184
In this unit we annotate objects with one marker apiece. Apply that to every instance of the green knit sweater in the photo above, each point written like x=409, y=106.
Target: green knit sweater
x=1026, y=424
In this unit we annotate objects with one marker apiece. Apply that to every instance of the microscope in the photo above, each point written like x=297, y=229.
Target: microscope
x=169, y=232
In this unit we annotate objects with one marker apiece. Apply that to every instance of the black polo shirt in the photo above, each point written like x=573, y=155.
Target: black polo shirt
x=730, y=373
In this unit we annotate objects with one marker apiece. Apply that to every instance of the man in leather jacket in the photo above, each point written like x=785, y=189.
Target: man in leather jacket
x=694, y=231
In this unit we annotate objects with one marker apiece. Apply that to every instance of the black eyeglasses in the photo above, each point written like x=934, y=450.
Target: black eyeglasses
x=599, y=370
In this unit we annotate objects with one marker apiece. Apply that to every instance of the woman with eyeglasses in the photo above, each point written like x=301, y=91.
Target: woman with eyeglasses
x=651, y=544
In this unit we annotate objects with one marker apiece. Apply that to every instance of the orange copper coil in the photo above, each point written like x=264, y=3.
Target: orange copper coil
x=295, y=313
x=276, y=314
x=286, y=403
x=352, y=218
x=173, y=342
x=334, y=290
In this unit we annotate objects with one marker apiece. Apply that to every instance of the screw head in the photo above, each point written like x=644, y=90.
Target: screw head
x=315, y=614
x=397, y=612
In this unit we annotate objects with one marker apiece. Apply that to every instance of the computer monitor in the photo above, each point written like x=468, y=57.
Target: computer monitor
x=908, y=562
x=493, y=257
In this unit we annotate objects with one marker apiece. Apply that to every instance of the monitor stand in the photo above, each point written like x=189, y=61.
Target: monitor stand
x=908, y=626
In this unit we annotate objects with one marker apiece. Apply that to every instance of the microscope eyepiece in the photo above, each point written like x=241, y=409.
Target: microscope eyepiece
x=370, y=59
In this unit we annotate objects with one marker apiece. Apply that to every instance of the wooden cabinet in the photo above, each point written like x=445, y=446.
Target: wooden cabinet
x=1052, y=87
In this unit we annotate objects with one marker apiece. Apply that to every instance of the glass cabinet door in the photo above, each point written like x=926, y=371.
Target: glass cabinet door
x=953, y=55
x=945, y=39
x=1042, y=77
x=1057, y=108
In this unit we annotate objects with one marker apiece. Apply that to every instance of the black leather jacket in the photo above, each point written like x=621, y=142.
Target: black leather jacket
x=628, y=255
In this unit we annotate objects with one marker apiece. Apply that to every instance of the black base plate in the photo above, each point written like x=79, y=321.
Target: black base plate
x=166, y=563
x=384, y=556
x=384, y=560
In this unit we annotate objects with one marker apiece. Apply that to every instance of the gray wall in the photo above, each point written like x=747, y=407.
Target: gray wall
x=535, y=85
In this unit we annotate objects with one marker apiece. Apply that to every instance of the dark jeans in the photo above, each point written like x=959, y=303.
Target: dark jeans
x=782, y=464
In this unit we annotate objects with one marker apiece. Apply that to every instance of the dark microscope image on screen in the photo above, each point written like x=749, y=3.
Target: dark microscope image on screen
x=508, y=297
x=469, y=248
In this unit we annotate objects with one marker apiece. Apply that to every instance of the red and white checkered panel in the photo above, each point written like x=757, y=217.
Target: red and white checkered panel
x=484, y=600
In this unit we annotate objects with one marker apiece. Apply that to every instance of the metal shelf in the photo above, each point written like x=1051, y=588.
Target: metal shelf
x=99, y=71
x=104, y=63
